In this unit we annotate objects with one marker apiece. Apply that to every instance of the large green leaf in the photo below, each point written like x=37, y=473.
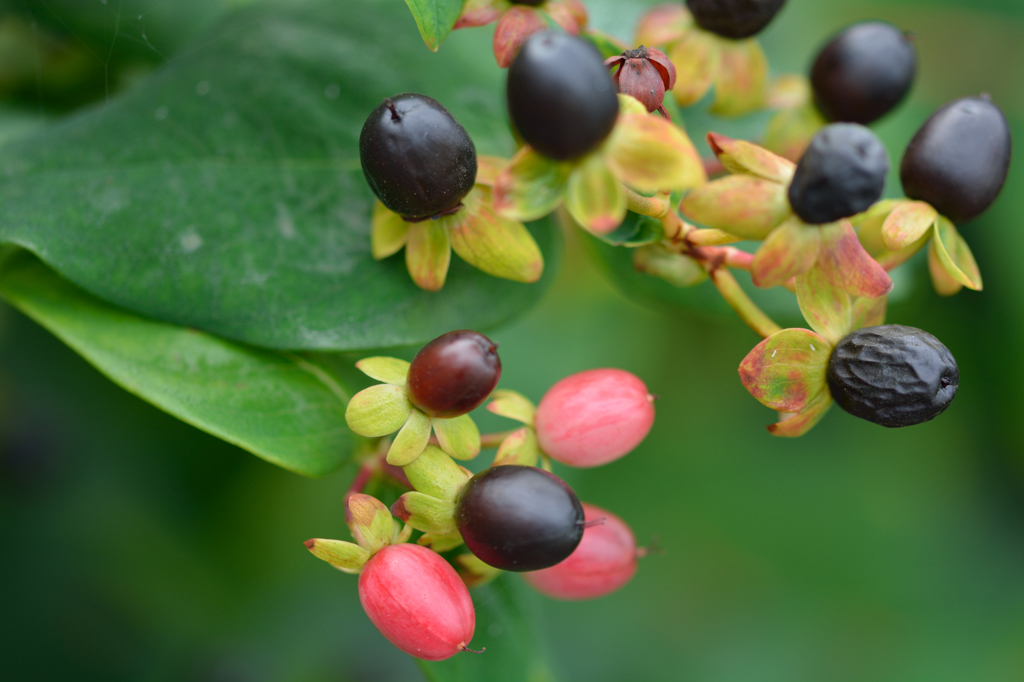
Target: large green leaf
x=435, y=19
x=506, y=620
x=224, y=191
x=280, y=406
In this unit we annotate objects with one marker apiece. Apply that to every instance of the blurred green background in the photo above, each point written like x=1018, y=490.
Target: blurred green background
x=137, y=548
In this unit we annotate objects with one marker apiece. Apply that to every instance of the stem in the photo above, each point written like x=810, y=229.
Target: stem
x=740, y=302
x=366, y=472
x=493, y=440
x=649, y=206
x=729, y=256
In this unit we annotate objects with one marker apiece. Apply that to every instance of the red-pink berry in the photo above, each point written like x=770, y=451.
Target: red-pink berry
x=604, y=561
x=594, y=417
x=417, y=601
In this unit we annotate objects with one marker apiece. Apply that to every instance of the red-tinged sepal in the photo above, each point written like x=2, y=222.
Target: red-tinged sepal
x=488, y=168
x=428, y=254
x=436, y=474
x=519, y=447
x=848, y=266
x=868, y=312
x=788, y=91
x=869, y=232
x=480, y=12
x=742, y=157
x=516, y=24
x=906, y=223
x=827, y=309
x=790, y=131
x=489, y=242
x=744, y=205
x=369, y=521
x=567, y=17
x=742, y=83
x=790, y=250
x=530, y=187
x=696, y=57
x=663, y=24
x=575, y=7
x=512, y=405
x=950, y=260
x=797, y=425
x=786, y=371
x=659, y=261
x=650, y=154
x=426, y=513
x=344, y=556
x=594, y=198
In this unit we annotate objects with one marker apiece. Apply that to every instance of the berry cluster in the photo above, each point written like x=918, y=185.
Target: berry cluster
x=513, y=516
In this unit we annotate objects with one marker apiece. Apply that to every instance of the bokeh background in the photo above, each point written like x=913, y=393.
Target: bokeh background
x=134, y=547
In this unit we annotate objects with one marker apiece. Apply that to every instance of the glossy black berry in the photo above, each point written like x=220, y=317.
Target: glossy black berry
x=519, y=518
x=561, y=98
x=416, y=157
x=958, y=160
x=841, y=174
x=453, y=374
x=892, y=375
x=863, y=72
x=734, y=19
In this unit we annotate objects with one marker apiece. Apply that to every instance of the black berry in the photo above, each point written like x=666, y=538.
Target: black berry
x=734, y=19
x=958, y=160
x=453, y=374
x=519, y=518
x=416, y=157
x=532, y=3
x=863, y=72
x=892, y=375
x=841, y=174
x=561, y=97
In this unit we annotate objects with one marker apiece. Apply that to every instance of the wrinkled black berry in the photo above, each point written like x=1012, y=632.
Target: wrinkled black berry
x=958, y=160
x=453, y=374
x=519, y=518
x=841, y=174
x=561, y=97
x=863, y=72
x=416, y=157
x=734, y=19
x=892, y=375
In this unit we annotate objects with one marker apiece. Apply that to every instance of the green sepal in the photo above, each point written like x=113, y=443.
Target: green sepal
x=441, y=543
x=426, y=513
x=608, y=45
x=696, y=57
x=512, y=405
x=745, y=205
x=344, y=556
x=378, y=410
x=459, y=436
x=411, y=440
x=790, y=250
x=531, y=186
x=388, y=232
x=906, y=223
x=635, y=230
x=662, y=262
x=436, y=474
x=594, y=198
x=650, y=154
x=497, y=245
x=868, y=312
x=389, y=370
x=428, y=254
x=369, y=521
x=803, y=421
x=474, y=571
x=790, y=130
x=742, y=157
x=826, y=308
x=741, y=85
x=787, y=370
x=519, y=447
x=950, y=251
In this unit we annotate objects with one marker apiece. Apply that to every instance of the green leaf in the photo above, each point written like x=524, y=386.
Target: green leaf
x=435, y=19
x=635, y=230
x=508, y=613
x=224, y=192
x=279, y=406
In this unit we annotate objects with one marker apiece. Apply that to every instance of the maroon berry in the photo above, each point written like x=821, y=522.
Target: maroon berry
x=416, y=157
x=519, y=518
x=417, y=601
x=863, y=72
x=560, y=95
x=453, y=374
x=958, y=160
x=735, y=19
x=594, y=417
x=604, y=561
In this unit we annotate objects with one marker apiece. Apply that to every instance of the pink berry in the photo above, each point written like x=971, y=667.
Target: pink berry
x=594, y=417
x=417, y=601
x=604, y=561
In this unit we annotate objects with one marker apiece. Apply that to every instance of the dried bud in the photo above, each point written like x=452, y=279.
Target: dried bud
x=644, y=73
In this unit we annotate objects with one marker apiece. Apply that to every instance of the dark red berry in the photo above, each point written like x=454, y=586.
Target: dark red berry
x=560, y=95
x=532, y=3
x=453, y=374
x=892, y=375
x=417, y=600
x=519, y=518
x=416, y=157
x=863, y=72
x=958, y=160
x=841, y=174
x=734, y=19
